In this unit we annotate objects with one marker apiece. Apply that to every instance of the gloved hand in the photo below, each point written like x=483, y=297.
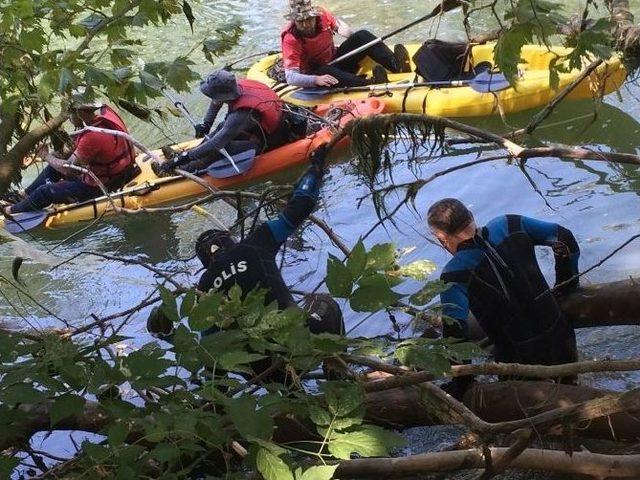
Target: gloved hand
x=201, y=130
x=318, y=158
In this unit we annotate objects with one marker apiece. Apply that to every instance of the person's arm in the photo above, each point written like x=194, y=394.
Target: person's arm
x=203, y=128
x=565, y=248
x=235, y=122
x=343, y=29
x=297, y=79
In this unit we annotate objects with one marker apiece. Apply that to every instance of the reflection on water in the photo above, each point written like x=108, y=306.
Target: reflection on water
x=598, y=201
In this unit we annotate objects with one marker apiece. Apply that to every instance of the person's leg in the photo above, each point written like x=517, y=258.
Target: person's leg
x=345, y=79
x=201, y=161
x=379, y=52
x=47, y=175
x=66, y=191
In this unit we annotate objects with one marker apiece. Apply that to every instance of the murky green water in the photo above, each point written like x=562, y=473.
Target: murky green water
x=599, y=202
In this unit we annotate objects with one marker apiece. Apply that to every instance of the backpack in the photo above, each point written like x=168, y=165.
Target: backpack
x=438, y=61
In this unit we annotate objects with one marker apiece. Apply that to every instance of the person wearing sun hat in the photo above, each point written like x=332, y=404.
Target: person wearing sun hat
x=307, y=49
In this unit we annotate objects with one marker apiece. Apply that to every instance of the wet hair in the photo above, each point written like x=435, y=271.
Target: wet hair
x=449, y=215
x=211, y=241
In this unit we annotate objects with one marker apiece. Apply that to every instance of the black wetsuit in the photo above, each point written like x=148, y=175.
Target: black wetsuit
x=252, y=263
x=497, y=277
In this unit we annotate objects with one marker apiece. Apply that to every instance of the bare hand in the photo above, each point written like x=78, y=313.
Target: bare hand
x=326, y=81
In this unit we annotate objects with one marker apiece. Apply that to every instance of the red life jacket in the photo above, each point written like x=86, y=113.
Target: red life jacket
x=317, y=51
x=257, y=96
x=107, y=168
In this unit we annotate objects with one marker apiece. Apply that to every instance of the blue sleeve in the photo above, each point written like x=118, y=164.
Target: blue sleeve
x=212, y=113
x=298, y=208
x=565, y=247
x=455, y=304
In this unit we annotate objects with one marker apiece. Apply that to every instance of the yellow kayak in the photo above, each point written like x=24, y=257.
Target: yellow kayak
x=531, y=90
x=148, y=190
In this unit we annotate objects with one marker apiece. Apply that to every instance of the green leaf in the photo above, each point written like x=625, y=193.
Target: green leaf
x=117, y=433
x=339, y=278
x=320, y=472
x=342, y=398
x=272, y=467
x=357, y=259
x=230, y=360
x=7, y=465
x=97, y=453
x=381, y=257
x=419, y=270
x=20, y=393
x=319, y=416
x=248, y=419
x=165, y=452
x=169, y=304
x=199, y=317
x=368, y=441
x=188, y=302
x=428, y=292
x=508, y=48
x=65, y=406
x=375, y=295
x=188, y=12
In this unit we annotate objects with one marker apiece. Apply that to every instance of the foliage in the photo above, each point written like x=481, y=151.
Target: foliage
x=50, y=47
x=530, y=21
x=167, y=410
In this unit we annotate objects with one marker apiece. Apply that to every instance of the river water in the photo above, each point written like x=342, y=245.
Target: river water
x=597, y=201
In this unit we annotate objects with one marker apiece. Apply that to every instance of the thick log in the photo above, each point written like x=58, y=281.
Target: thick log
x=615, y=303
x=583, y=463
x=501, y=402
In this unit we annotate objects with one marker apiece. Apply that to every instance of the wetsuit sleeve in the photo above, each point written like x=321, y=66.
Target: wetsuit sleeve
x=565, y=248
x=272, y=234
x=455, y=304
x=212, y=113
x=235, y=122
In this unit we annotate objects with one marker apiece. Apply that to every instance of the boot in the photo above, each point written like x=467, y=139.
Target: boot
x=379, y=75
x=165, y=168
x=403, y=63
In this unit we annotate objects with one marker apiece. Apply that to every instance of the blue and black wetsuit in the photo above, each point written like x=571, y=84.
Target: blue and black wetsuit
x=252, y=263
x=496, y=276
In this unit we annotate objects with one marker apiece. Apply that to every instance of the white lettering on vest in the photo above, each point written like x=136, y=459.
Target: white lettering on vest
x=234, y=269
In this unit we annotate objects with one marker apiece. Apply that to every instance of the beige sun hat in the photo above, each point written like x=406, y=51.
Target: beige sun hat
x=301, y=10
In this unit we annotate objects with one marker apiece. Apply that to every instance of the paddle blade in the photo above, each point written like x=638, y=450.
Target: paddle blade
x=311, y=94
x=489, y=82
x=223, y=168
x=24, y=221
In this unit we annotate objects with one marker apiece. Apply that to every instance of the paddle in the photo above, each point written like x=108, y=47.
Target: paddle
x=483, y=82
x=23, y=221
x=240, y=163
x=444, y=6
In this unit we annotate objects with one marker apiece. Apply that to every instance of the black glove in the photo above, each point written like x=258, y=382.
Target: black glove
x=319, y=158
x=201, y=130
x=158, y=324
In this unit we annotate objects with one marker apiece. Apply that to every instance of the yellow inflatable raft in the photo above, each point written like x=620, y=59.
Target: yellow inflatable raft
x=531, y=90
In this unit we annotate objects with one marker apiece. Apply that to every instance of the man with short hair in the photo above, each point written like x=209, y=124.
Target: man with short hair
x=307, y=48
x=255, y=121
x=495, y=275
x=109, y=157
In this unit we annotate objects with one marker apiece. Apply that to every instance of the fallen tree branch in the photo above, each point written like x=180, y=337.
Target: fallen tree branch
x=583, y=463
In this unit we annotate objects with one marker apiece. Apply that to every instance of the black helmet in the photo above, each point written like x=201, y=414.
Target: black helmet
x=209, y=242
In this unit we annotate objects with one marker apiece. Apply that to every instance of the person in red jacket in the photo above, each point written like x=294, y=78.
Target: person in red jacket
x=307, y=48
x=110, y=158
x=255, y=121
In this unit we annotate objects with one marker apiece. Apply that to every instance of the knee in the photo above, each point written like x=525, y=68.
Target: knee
x=364, y=36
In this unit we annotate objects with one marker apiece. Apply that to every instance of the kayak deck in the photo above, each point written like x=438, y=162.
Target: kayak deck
x=148, y=190
x=531, y=90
